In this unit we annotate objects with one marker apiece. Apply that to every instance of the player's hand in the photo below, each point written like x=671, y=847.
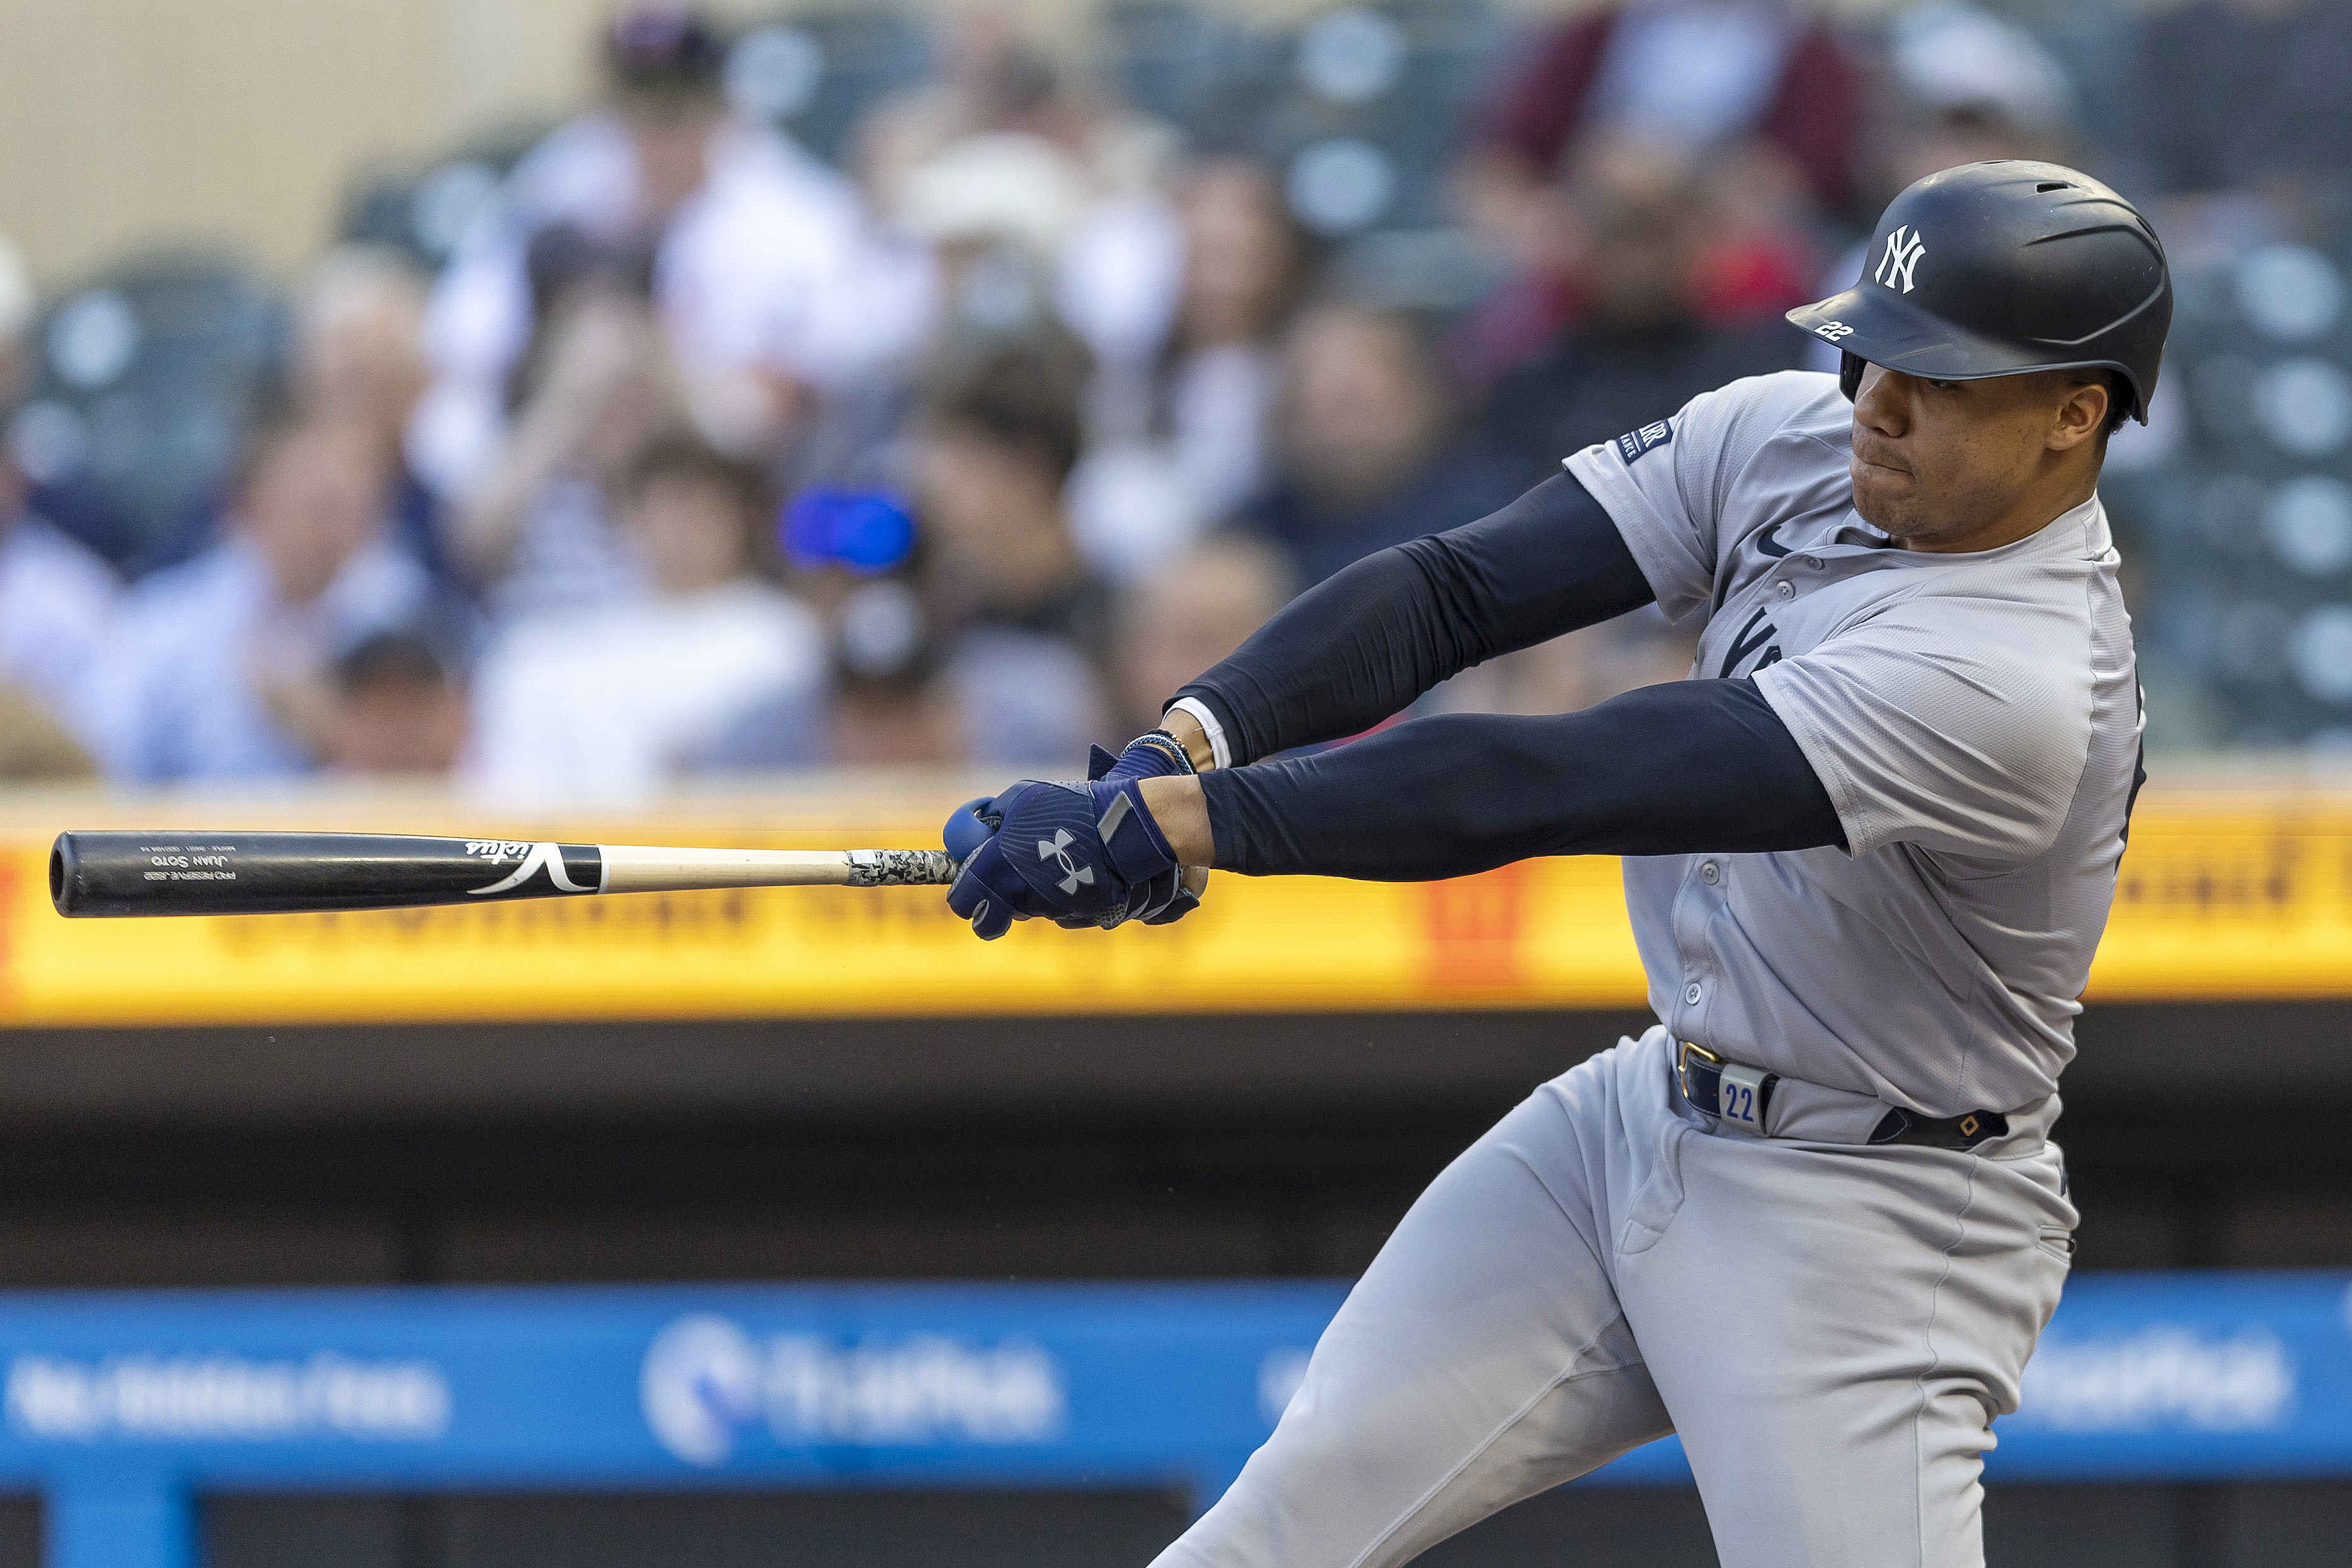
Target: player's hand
x=1078, y=853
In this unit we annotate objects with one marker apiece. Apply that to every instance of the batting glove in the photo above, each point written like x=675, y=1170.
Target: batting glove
x=1078, y=853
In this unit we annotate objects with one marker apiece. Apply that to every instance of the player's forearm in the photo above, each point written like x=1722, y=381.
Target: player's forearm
x=1175, y=802
x=1181, y=810
x=1357, y=648
x=1670, y=770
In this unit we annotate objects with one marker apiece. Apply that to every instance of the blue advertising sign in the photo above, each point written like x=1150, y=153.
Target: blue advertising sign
x=123, y=1406
x=2204, y=1376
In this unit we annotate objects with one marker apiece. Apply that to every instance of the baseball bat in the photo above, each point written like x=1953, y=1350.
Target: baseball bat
x=184, y=872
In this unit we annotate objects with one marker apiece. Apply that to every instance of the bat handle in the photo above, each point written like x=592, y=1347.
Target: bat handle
x=901, y=868
x=638, y=868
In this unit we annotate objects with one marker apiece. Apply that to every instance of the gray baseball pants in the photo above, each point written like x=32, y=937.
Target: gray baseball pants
x=1831, y=1328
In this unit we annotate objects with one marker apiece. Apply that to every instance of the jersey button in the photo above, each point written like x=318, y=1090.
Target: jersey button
x=1812, y=561
x=1691, y=993
x=1710, y=873
x=1784, y=590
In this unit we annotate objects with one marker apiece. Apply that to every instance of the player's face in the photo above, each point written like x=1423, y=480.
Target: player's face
x=1962, y=466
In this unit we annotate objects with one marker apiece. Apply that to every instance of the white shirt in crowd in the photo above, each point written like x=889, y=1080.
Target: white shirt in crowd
x=568, y=559
x=176, y=693
x=1134, y=503
x=54, y=600
x=770, y=263
x=603, y=707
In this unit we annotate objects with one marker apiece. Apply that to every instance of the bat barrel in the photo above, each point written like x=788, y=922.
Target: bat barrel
x=166, y=872
x=190, y=872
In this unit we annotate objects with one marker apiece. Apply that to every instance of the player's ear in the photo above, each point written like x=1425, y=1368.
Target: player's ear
x=2082, y=409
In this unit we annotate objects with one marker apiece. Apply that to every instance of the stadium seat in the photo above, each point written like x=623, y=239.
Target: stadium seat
x=2245, y=531
x=147, y=375
x=859, y=57
x=423, y=212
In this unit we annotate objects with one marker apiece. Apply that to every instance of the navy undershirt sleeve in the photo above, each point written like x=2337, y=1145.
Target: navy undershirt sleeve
x=1686, y=767
x=1360, y=647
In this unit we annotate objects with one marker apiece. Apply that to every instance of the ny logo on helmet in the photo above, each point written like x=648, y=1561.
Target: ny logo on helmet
x=1057, y=847
x=1904, y=248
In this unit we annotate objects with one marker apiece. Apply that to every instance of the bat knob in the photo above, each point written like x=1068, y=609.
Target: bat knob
x=64, y=874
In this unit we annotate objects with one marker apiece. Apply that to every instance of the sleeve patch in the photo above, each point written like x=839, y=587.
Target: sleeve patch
x=1636, y=445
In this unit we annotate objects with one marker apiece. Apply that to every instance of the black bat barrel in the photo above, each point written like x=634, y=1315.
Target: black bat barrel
x=194, y=873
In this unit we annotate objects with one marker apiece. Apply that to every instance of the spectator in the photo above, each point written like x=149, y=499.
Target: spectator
x=606, y=705
x=1021, y=620
x=1245, y=260
x=1968, y=85
x=1702, y=74
x=888, y=701
x=995, y=78
x=1366, y=455
x=536, y=535
x=765, y=276
x=1751, y=254
x=1008, y=189
x=356, y=359
x=1641, y=351
x=1753, y=257
x=359, y=354
x=893, y=705
x=1002, y=148
x=1188, y=614
x=1762, y=101
x=1182, y=444
x=397, y=708
x=1540, y=250
x=219, y=667
x=2240, y=95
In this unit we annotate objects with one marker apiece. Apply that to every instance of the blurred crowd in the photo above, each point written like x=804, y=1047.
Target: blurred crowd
x=698, y=452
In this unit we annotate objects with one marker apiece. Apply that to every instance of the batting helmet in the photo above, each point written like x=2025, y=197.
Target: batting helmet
x=1997, y=268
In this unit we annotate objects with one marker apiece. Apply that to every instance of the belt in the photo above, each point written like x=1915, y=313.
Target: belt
x=1741, y=1096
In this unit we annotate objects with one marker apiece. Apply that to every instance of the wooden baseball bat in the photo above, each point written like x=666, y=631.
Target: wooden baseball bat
x=187, y=871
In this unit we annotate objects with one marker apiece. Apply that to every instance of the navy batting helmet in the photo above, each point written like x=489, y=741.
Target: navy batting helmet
x=1994, y=270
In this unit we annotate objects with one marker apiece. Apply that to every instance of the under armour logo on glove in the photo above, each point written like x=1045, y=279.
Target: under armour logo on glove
x=1098, y=858
x=1057, y=847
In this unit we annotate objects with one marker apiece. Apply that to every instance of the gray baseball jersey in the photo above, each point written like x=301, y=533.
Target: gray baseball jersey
x=1974, y=717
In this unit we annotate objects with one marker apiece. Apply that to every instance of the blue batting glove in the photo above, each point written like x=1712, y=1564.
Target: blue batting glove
x=1154, y=756
x=1078, y=853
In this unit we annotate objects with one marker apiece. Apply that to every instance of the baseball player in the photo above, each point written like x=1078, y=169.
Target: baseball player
x=1813, y=1220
